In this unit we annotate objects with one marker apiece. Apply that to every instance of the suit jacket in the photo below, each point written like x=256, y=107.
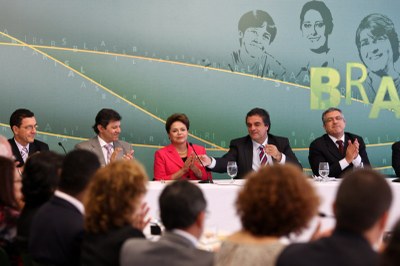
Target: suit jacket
x=342, y=248
x=323, y=149
x=167, y=162
x=102, y=249
x=396, y=158
x=241, y=151
x=171, y=249
x=56, y=233
x=35, y=146
x=93, y=145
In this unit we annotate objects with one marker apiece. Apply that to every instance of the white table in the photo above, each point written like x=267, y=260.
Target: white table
x=221, y=198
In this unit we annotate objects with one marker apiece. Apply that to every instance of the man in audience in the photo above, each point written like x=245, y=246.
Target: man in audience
x=361, y=208
x=5, y=147
x=182, y=210
x=256, y=149
x=57, y=228
x=23, y=125
x=342, y=150
x=106, y=145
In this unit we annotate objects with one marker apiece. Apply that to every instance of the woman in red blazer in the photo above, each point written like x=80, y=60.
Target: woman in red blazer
x=178, y=160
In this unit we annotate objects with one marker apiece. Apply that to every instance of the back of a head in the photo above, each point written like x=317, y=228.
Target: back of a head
x=77, y=170
x=5, y=148
x=180, y=204
x=7, y=171
x=362, y=198
x=41, y=176
x=276, y=201
x=391, y=254
x=114, y=195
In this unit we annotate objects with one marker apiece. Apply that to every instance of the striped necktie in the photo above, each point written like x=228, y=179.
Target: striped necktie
x=262, y=155
x=109, y=148
x=24, y=153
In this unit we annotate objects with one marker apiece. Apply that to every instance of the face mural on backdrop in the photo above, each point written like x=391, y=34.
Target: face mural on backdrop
x=150, y=59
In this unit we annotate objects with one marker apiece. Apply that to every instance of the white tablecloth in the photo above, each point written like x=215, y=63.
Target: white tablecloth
x=221, y=198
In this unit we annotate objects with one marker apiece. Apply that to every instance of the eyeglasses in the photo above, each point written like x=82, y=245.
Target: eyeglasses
x=331, y=119
x=30, y=128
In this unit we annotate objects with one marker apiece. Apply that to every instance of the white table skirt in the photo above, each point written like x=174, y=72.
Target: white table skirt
x=222, y=216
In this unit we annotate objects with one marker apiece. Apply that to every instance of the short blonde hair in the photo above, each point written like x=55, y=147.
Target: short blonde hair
x=111, y=194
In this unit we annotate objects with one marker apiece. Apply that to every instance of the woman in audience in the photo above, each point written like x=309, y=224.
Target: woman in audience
x=391, y=254
x=9, y=211
x=39, y=181
x=274, y=202
x=114, y=211
x=178, y=160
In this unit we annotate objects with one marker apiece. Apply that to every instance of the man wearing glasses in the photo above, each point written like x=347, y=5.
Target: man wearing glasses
x=23, y=125
x=342, y=150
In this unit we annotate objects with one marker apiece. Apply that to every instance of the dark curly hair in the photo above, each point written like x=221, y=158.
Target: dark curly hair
x=111, y=196
x=276, y=201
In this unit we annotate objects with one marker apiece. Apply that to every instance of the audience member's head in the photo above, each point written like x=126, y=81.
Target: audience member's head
x=362, y=199
x=77, y=170
x=391, y=254
x=114, y=196
x=182, y=205
x=276, y=201
x=5, y=147
x=8, y=177
x=41, y=176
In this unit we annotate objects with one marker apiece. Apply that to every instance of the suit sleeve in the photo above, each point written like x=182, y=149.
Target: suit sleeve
x=231, y=155
x=290, y=156
x=363, y=152
x=317, y=155
x=159, y=168
x=396, y=158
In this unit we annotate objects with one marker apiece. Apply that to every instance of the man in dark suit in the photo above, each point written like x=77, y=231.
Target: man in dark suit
x=396, y=158
x=342, y=150
x=182, y=210
x=256, y=149
x=106, y=145
x=361, y=209
x=57, y=228
x=23, y=125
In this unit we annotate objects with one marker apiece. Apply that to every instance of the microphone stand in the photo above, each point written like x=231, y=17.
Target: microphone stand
x=208, y=180
x=62, y=146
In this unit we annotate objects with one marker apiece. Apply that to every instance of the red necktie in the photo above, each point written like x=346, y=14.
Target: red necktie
x=262, y=155
x=341, y=146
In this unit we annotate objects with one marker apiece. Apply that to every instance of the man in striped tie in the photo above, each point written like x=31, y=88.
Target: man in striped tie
x=256, y=149
x=23, y=125
x=106, y=144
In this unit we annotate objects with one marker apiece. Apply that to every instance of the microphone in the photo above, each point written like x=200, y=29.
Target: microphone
x=209, y=180
x=62, y=146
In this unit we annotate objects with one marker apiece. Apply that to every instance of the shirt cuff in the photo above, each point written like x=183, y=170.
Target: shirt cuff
x=343, y=163
x=212, y=164
x=283, y=159
x=357, y=161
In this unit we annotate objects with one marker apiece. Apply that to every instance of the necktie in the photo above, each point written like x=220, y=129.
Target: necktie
x=341, y=146
x=109, y=148
x=262, y=155
x=24, y=153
